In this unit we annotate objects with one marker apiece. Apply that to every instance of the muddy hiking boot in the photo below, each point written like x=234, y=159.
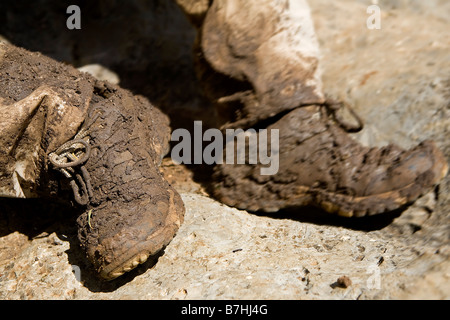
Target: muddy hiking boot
x=132, y=212
x=259, y=62
x=68, y=134
x=321, y=165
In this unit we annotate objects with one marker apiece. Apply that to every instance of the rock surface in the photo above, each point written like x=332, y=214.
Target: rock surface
x=398, y=80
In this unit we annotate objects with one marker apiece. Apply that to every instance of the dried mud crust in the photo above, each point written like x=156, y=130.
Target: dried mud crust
x=23, y=74
x=134, y=212
x=321, y=165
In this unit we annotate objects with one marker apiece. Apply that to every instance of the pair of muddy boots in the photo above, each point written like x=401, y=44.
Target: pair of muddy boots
x=64, y=132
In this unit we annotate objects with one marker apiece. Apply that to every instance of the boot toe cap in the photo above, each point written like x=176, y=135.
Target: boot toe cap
x=118, y=238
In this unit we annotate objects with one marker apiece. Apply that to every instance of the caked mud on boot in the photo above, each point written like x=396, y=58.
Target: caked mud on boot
x=97, y=142
x=321, y=165
x=132, y=212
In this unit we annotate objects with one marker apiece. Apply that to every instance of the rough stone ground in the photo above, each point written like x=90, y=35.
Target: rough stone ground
x=398, y=80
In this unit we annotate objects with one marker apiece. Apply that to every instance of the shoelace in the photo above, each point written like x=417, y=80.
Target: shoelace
x=67, y=157
x=333, y=106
